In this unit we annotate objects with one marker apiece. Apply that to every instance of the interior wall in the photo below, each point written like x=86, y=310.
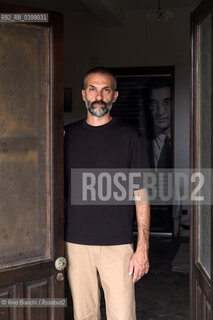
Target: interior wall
x=136, y=43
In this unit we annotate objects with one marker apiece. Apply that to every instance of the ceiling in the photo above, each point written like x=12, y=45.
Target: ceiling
x=84, y=5
x=149, y=4
x=109, y=12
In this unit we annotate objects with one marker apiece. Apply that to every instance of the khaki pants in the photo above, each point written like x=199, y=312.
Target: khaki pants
x=87, y=265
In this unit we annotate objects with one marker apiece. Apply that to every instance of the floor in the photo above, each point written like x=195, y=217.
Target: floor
x=162, y=293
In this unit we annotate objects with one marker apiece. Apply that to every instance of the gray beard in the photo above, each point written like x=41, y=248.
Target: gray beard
x=98, y=111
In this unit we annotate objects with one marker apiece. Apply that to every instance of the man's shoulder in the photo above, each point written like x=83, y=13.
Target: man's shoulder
x=73, y=126
x=128, y=128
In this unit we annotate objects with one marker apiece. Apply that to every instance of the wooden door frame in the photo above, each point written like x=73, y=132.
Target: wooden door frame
x=57, y=159
x=196, y=270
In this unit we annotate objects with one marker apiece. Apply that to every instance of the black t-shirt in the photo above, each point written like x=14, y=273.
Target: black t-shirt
x=112, y=145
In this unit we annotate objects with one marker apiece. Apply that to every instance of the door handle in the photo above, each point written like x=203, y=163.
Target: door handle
x=60, y=263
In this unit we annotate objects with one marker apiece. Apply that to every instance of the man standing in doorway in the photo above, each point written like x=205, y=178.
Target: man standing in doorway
x=99, y=240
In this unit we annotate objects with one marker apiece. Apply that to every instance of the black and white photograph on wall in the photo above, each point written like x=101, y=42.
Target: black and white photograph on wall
x=146, y=101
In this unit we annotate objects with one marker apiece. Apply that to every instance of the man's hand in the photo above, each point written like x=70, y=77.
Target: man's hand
x=139, y=264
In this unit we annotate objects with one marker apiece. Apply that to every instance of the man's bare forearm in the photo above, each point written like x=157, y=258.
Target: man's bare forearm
x=143, y=219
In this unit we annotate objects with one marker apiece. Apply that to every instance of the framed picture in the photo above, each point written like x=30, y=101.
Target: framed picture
x=67, y=99
x=146, y=101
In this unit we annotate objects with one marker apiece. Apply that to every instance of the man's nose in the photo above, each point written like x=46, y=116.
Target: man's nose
x=99, y=95
x=161, y=108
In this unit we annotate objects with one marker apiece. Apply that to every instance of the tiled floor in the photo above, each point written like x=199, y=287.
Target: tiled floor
x=162, y=293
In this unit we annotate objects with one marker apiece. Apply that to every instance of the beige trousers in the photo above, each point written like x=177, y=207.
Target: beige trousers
x=88, y=266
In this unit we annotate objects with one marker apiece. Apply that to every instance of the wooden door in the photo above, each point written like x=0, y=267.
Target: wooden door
x=202, y=157
x=31, y=164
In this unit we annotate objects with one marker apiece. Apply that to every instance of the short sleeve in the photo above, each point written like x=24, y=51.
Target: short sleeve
x=138, y=159
x=138, y=152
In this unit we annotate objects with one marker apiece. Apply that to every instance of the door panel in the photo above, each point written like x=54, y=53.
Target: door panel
x=203, y=306
x=37, y=289
x=31, y=164
x=202, y=157
x=9, y=293
x=25, y=145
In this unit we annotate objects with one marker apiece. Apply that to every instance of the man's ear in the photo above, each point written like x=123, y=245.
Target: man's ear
x=83, y=94
x=115, y=96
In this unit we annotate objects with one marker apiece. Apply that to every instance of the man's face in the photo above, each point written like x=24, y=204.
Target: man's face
x=99, y=93
x=160, y=106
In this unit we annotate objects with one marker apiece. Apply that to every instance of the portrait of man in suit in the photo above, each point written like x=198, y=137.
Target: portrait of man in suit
x=146, y=101
x=159, y=106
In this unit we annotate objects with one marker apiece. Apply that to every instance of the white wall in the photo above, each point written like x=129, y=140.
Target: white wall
x=135, y=44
